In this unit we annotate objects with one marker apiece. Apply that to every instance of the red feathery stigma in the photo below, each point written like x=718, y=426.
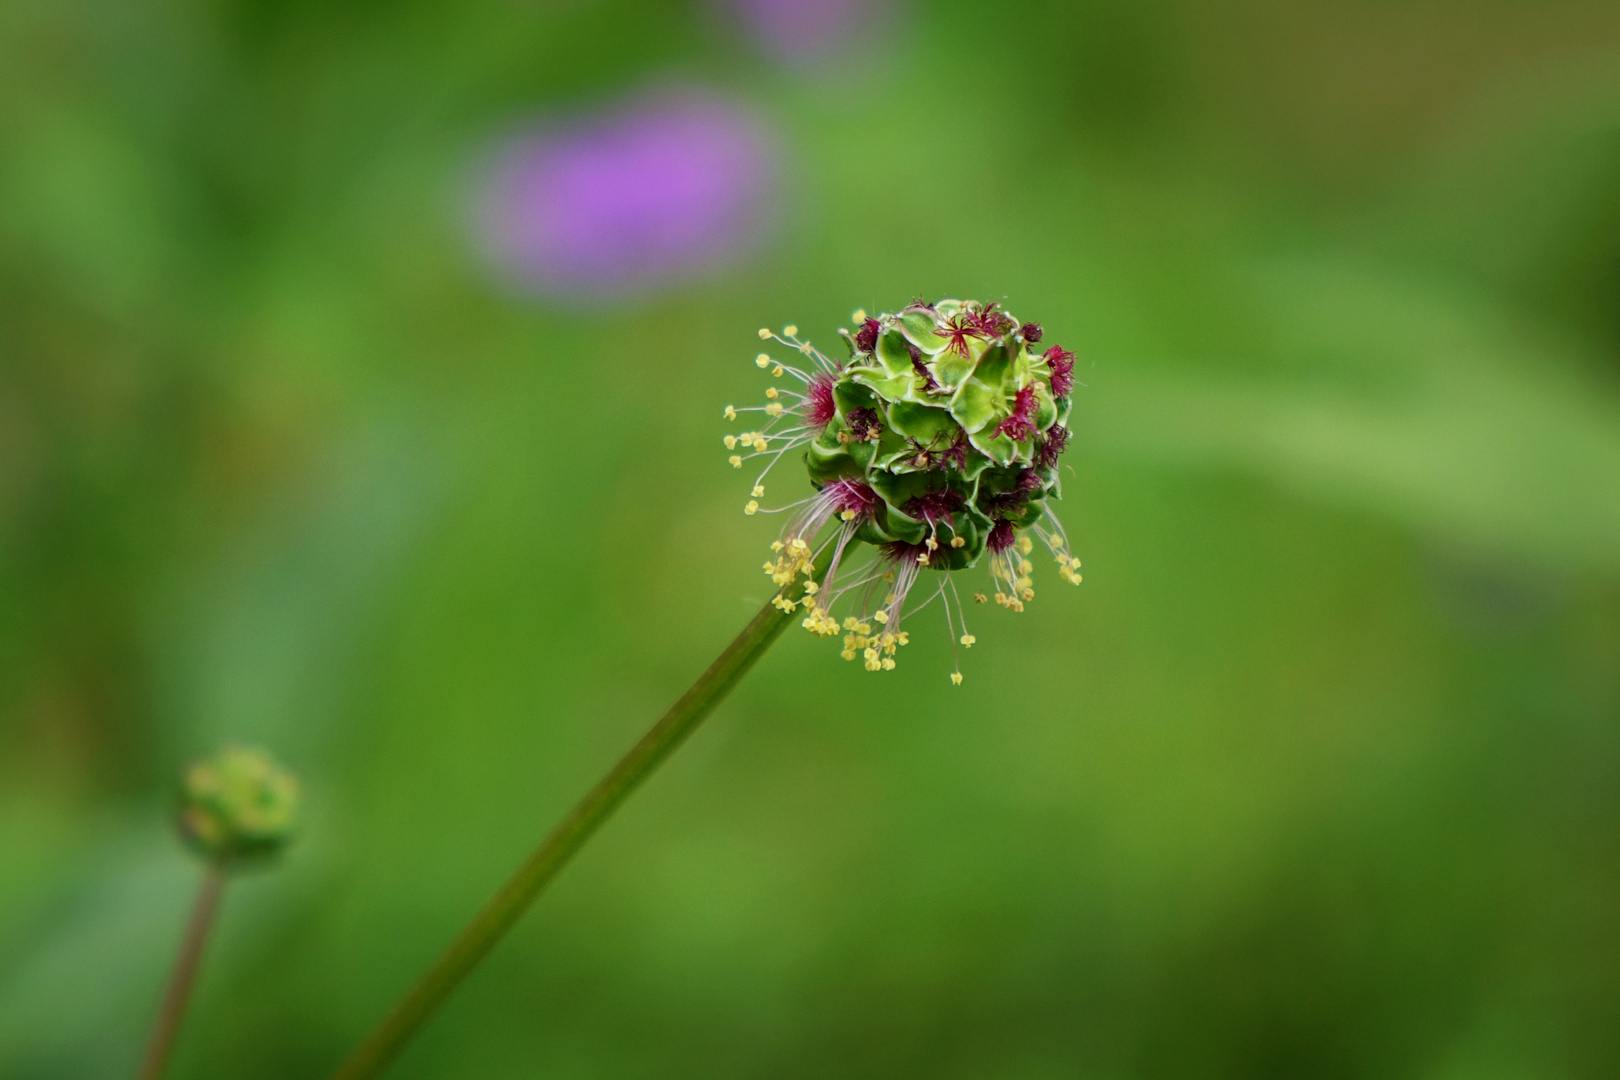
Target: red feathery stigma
x=1031, y=332
x=1001, y=536
x=1061, y=361
x=1021, y=424
x=866, y=337
x=1052, y=446
x=935, y=506
x=819, y=407
x=853, y=495
x=991, y=321
x=957, y=329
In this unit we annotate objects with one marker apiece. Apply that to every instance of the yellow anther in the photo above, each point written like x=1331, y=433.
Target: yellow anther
x=888, y=663
x=1025, y=544
x=736, y=462
x=764, y=334
x=956, y=678
x=858, y=315
x=772, y=392
x=979, y=598
x=752, y=508
x=731, y=412
x=850, y=622
x=789, y=330
x=958, y=542
x=848, y=654
x=871, y=653
x=778, y=371
x=1028, y=594
x=847, y=515
x=1026, y=567
x=759, y=489
x=776, y=545
x=731, y=442
x=810, y=588
x=904, y=638
x=762, y=361
x=931, y=544
x=922, y=558
x=774, y=409
x=761, y=445
x=882, y=617
x=968, y=640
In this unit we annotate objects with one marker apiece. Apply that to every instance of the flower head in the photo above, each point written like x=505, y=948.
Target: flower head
x=936, y=445
x=238, y=804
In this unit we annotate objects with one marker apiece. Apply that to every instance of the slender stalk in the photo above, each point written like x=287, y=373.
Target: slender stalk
x=514, y=897
x=185, y=972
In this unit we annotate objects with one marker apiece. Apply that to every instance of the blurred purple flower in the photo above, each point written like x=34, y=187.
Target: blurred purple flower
x=659, y=190
x=806, y=30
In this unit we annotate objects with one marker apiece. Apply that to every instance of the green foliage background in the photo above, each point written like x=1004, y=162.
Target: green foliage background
x=1316, y=776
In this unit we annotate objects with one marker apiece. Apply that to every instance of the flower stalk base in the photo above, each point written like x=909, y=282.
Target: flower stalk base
x=185, y=972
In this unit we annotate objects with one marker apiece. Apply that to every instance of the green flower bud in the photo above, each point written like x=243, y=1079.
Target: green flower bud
x=238, y=804
x=936, y=443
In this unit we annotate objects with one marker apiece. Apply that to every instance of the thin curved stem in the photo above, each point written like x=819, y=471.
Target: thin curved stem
x=514, y=897
x=185, y=972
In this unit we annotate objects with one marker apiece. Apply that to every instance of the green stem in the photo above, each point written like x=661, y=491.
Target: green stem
x=513, y=898
x=185, y=972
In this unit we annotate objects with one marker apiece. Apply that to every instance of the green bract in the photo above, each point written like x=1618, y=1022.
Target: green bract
x=238, y=804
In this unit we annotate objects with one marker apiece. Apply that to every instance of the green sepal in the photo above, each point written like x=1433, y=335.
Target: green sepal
x=872, y=533
x=998, y=448
x=902, y=526
x=1030, y=514
x=893, y=388
x=982, y=397
x=976, y=464
x=925, y=423
x=825, y=464
x=950, y=369
x=893, y=354
x=1046, y=409
x=974, y=405
x=918, y=326
x=849, y=396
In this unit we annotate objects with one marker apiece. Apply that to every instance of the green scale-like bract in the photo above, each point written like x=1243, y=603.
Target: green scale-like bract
x=911, y=453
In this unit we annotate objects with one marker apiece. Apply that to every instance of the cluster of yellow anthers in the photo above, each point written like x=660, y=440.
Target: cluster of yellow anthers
x=1014, y=574
x=877, y=649
x=793, y=558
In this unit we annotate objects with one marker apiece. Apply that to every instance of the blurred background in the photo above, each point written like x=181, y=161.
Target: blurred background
x=361, y=369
